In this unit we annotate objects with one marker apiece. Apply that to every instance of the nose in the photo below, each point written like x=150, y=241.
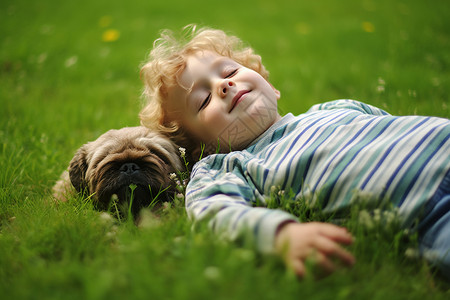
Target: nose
x=129, y=168
x=225, y=87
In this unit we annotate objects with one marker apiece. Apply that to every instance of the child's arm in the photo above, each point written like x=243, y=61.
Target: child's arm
x=226, y=200
x=321, y=242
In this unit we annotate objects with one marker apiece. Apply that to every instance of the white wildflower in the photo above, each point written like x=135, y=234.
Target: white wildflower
x=412, y=93
x=377, y=215
x=381, y=84
x=173, y=176
x=178, y=239
x=412, y=253
x=182, y=151
x=212, y=273
x=42, y=58
x=114, y=198
x=431, y=255
x=106, y=218
x=245, y=254
x=365, y=219
x=166, y=206
x=389, y=217
x=435, y=81
x=112, y=233
x=148, y=220
x=70, y=61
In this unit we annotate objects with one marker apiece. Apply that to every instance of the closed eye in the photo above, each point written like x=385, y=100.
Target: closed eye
x=232, y=73
x=205, y=102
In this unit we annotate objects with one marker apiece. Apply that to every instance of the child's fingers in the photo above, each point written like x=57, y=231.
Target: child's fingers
x=330, y=248
x=324, y=262
x=320, y=242
x=326, y=266
x=336, y=233
x=298, y=267
x=322, y=265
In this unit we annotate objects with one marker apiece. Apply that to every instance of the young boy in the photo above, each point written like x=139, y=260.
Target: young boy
x=213, y=90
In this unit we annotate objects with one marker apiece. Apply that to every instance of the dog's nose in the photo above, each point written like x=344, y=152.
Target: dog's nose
x=129, y=168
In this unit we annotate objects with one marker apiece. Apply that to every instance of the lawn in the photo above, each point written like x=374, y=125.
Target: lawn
x=69, y=71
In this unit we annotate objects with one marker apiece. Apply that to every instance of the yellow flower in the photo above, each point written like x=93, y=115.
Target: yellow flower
x=110, y=35
x=368, y=27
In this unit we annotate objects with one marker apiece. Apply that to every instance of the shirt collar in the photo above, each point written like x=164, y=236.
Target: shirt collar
x=266, y=135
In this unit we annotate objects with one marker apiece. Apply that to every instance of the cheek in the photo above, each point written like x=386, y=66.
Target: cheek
x=212, y=123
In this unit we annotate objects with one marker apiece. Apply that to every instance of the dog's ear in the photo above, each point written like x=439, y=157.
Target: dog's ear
x=77, y=170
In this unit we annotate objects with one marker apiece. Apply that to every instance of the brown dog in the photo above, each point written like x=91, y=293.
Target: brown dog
x=129, y=161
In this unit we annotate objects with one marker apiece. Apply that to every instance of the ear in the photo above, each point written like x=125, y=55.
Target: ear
x=277, y=92
x=77, y=170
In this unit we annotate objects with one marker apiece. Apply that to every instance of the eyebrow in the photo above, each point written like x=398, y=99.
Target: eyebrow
x=219, y=61
x=214, y=65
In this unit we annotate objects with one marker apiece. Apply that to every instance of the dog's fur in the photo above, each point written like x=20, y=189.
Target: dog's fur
x=117, y=160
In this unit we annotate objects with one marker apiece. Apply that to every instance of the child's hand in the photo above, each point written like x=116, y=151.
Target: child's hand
x=296, y=242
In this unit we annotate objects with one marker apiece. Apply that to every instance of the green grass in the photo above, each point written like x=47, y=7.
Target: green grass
x=61, y=85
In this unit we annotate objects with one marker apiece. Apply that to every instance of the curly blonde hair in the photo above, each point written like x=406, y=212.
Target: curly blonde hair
x=167, y=61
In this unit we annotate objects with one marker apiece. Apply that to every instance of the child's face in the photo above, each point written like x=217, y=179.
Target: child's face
x=218, y=99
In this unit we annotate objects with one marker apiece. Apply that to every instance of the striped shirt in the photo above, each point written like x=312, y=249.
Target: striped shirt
x=335, y=153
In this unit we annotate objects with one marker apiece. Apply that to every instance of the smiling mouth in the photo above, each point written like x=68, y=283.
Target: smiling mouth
x=237, y=99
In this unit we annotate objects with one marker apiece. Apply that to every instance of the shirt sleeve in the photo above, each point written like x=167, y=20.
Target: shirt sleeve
x=225, y=199
x=349, y=104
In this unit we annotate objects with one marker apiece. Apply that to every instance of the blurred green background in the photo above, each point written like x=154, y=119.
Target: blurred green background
x=388, y=53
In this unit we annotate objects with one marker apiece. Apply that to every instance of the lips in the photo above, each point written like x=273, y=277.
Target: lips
x=238, y=98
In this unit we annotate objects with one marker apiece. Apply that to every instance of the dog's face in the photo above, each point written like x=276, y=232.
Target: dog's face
x=123, y=159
